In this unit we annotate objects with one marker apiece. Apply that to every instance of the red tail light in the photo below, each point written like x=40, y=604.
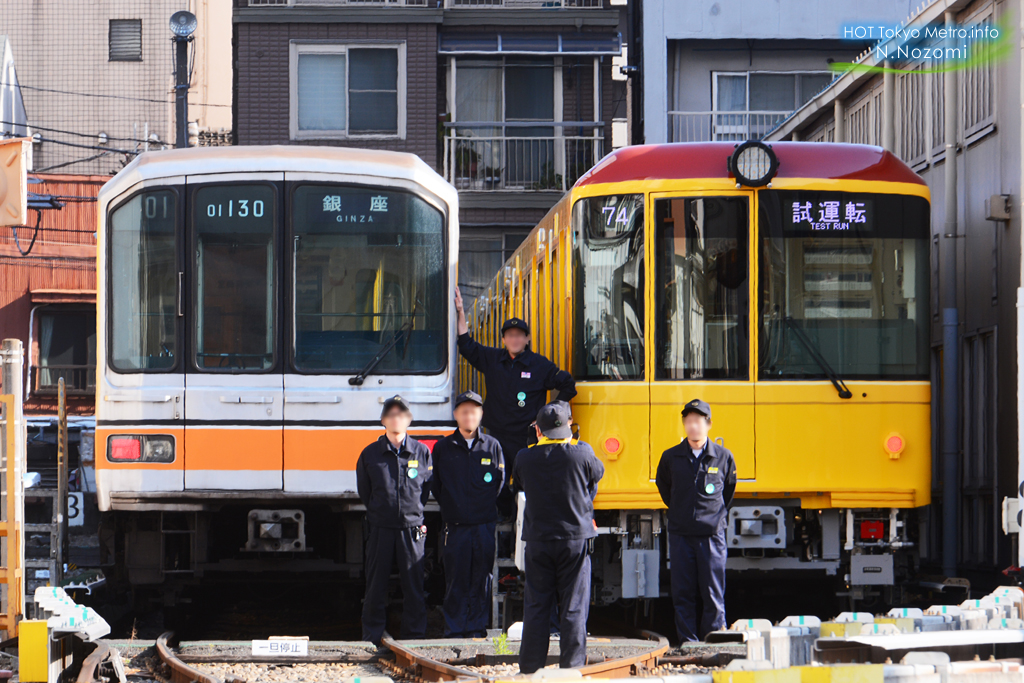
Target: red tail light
x=125, y=449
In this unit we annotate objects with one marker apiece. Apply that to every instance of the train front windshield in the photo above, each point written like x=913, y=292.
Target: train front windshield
x=369, y=266
x=843, y=285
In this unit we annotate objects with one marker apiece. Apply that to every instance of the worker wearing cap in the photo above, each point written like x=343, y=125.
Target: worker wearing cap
x=469, y=471
x=560, y=480
x=696, y=480
x=518, y=381
x=392, y=476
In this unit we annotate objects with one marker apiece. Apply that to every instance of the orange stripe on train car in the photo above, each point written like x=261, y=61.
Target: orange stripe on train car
x=215, y=448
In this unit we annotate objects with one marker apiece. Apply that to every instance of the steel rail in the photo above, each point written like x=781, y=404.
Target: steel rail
x=421, y=668
x=180, y=671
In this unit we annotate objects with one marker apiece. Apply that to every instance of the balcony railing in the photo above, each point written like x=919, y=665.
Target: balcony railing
x=708, y=126
x=524, y=4
x=342, y=3
x=520, y=157
x=79, y=380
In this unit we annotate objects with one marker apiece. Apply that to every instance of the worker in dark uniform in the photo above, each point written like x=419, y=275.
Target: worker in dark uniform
x=518, y=381
x=392, y=476
x=559, y=479
x=469, y=472
x=696, y=480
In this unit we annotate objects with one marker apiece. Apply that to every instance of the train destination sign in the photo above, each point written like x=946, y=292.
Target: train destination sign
x=831, y=214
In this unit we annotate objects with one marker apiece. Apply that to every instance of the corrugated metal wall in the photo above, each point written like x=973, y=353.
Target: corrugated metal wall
x=62, y=257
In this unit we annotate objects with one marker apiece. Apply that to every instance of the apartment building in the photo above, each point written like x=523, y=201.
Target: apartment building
x=511, y=100
x=730, y=71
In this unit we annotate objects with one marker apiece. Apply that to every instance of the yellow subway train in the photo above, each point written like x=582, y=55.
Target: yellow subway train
x=787, y=285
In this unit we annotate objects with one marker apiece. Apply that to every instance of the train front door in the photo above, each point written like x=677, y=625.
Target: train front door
x=234, y=387
x=703, y=287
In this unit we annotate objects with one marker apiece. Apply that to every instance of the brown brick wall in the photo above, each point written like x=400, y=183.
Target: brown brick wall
x=262, y=77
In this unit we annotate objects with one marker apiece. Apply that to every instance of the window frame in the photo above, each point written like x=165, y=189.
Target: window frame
x=192, y=279
x=299, y=47
x=746, y=75
x=289, y=312
x=752, y=199
x=108, y=278
x=758, y=237
x=573, y=268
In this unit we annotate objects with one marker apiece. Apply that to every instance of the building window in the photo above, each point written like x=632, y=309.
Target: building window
x=67, y=350
x=749, y=104
x=125, y=40
x=343, y=91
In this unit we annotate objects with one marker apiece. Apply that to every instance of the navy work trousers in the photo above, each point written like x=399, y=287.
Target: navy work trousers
x=511, y=444
x=698, y=568
x=557, y=573
x=468, y=562
x=384, y=549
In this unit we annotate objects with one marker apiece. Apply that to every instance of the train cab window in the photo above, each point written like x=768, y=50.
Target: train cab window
x=235, y=282
x=702, y=290
x=369, y=277
x=609, y=284
x=143, y=283
x=843, y=286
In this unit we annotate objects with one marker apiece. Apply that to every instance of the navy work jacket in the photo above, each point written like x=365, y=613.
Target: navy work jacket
x=529, y=373
x=466, y=481
x=560, y=481
x=394, y=486
x=697, y=492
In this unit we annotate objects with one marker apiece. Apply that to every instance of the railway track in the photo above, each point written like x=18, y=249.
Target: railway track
x=418, y=662
x=415, y=661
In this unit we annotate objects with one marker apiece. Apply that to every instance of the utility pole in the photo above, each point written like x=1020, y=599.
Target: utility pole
x=183, y=25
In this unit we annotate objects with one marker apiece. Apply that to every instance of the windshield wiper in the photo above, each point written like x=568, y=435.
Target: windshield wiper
x=836, y=380
x=386, y=349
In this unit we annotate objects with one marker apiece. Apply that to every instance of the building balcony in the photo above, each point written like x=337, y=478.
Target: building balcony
x=712, y=126
x=524, y=157
x=79, y=380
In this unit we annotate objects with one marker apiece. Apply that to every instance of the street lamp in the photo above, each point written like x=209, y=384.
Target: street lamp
x=183, y=25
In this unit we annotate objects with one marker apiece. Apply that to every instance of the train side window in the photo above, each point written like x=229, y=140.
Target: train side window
x=702, y=295
x=143, y=283
x=235, y=277
x=609, y=288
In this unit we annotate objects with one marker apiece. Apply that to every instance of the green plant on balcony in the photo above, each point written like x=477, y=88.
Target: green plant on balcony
x=548, y=179
x=466, y=160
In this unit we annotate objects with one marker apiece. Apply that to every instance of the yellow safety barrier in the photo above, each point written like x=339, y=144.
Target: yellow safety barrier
x=34, y=651
x=855, y=673
x=791, y=675
x=10, y=527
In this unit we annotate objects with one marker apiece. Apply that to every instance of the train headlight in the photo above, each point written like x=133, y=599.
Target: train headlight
x=140, y=448
x=753, y=164
x=894, y=445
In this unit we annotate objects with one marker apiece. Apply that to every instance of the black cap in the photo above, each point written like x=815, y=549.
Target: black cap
x=697, y=406
x=391, y=403
x=554, y=420
x=468, y=397
x=515, y=324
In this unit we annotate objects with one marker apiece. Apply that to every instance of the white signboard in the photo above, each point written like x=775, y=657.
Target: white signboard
x=287, y=647
x=76, y=513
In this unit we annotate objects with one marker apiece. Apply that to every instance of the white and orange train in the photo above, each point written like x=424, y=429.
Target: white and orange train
x=257, y=307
